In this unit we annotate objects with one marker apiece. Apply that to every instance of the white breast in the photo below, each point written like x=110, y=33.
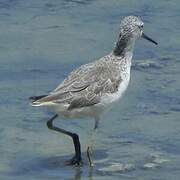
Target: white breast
x=108, y=99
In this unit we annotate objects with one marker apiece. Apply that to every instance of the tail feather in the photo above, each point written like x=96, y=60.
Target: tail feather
x=35, y=98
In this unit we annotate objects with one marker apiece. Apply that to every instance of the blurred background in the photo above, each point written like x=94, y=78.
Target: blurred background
x=41, y=41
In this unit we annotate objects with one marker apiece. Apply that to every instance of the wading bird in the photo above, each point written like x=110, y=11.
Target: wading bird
x=92, y=89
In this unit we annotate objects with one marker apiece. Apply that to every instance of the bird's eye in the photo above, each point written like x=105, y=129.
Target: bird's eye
x=142, y=25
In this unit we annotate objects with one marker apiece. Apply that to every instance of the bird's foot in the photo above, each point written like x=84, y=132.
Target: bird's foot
x=74, y=161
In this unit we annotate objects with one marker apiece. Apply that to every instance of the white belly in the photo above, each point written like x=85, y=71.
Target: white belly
x=87, y=111
x=108, y=99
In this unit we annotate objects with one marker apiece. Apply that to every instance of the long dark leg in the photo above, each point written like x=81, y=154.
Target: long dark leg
x=77, y=158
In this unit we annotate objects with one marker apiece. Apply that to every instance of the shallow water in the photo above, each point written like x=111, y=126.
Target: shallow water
x=41, y=42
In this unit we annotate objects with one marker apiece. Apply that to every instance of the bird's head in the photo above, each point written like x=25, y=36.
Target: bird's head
x=131, y=28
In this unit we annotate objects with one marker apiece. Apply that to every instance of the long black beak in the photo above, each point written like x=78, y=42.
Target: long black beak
x=149, y=39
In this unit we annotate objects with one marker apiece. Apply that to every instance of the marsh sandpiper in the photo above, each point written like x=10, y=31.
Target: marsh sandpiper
x=92, y=89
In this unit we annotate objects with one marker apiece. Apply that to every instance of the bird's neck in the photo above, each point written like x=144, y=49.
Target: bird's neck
x=124, y=47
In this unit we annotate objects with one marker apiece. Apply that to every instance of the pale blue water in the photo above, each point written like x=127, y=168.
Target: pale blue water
x=41, y=41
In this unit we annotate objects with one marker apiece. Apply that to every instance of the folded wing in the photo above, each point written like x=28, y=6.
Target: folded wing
x=83, y=87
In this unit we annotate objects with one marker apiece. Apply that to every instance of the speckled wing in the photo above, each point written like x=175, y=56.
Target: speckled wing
x=74, y=80
x=85, y=86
